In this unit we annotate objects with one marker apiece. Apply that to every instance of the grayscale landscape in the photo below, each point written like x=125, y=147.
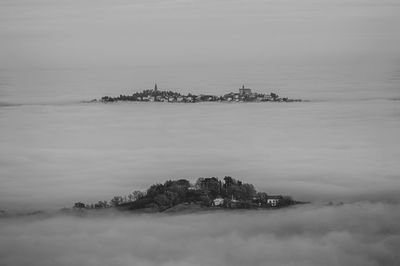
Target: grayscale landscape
x=338, y=149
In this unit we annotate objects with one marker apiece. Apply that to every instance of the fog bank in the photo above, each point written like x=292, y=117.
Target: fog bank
x=351, y=234
x=53, y=156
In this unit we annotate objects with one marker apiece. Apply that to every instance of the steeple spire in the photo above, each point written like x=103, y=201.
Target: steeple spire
x=155, y=87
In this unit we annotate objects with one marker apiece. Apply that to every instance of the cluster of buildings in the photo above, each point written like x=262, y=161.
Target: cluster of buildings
x=234, y=194
x=246, y=95
x=271, y=201
x=155, y=95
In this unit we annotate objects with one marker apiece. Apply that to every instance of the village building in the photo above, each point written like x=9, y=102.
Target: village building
x=218, y=201
x=244, y=91
x=273, y=201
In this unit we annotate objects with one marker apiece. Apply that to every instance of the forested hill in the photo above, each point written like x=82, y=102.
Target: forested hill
x=205, y=192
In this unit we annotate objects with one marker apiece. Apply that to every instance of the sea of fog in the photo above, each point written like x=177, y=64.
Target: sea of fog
x=53, y=155
x=364, y=233
x=340, y=147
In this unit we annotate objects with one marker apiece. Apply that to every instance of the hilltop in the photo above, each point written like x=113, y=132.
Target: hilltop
x=156, y=95
x=181, y=196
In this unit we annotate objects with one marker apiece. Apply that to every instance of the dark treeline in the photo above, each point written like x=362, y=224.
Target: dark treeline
x=207, y=192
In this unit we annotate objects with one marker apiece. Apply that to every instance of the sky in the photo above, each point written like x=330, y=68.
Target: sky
x=73, y=34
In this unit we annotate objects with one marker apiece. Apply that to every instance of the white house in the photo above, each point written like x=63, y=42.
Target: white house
x=218, y=201
x=273, y=201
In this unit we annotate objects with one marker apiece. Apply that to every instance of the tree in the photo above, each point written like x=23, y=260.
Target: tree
x=116, y=201
x=199, y=182
x=79, y=205
x=248, y=191
x=135, y=195
x=205, y=200
x=154, y=190
x=183, y=183
x=131, y=197
x=193, y=195
x=173, y=197
x=229, y=181
x=262, y=197
x=286, y=200
x=101, y=205
x=179, y=187
x=162, y=201
x=212, y=186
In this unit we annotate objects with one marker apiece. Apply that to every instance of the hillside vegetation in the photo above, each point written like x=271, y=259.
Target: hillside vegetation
x=205, y=192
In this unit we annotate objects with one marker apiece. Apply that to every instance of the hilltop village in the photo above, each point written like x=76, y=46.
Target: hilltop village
x=156, y=95
x=228, y=193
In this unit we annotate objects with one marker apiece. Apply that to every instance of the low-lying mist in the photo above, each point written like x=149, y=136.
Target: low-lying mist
x=53, y=156
x=350, y=234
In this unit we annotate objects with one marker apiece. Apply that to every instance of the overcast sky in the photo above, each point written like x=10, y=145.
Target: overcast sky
x=91, y=33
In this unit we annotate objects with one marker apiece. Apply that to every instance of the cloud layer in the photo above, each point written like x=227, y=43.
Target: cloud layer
x=52, y=156
x=351, y=234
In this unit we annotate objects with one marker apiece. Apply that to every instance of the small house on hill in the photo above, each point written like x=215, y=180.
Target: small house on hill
x=218, y=201
x=274, y=201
